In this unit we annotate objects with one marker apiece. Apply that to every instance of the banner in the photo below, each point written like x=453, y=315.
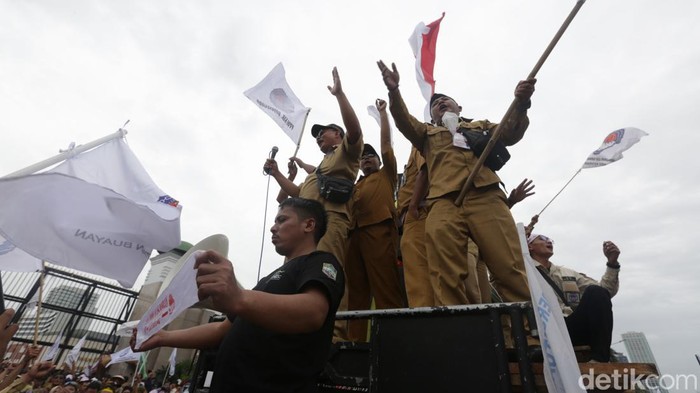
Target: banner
x=561, y=372
x=124, y=355
x=51, y=353
x=180, y=294
x=75, y=352
x=423, y=43
x=98, y=212
x=613, y=145
x=274, y=96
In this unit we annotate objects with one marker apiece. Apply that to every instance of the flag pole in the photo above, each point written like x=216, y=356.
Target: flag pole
x=562, y=189
x=301, y=134
x=133, y=379
x=66, y=154
x=513, y=105
x=39, y=301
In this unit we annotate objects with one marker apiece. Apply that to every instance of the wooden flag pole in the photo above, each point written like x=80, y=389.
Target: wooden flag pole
x=513, y=105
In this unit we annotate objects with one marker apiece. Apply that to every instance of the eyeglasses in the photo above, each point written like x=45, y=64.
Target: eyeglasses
x=546, y=239
x=368, y=156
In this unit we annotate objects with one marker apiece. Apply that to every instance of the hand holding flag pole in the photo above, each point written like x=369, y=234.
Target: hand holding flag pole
x=514, y=104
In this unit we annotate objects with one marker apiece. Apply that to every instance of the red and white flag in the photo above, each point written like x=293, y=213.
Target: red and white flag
x=180, y=294
x=613, y=145
x=274, y=96
x=98, y=212
x=423, y=42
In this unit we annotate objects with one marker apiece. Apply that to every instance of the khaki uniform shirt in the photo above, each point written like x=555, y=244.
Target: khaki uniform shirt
x=374, y=194
x=343, y=162
x=573, y=283
x=415, y=162
x=448, y=165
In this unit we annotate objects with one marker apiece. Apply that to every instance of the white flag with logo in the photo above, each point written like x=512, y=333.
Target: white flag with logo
x=274, y=96
x=180, y=294
x=51, y=353
x=173, y=354
x=561, y=372
x=75, y=352
x=613, y=145
x=98, y=212
x=423, y=42
x=124, y=355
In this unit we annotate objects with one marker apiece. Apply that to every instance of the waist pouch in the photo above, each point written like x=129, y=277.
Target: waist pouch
x=334, y=189
x=478, y=139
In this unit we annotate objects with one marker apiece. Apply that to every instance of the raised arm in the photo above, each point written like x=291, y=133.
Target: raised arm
x=352, y=123
x=292, y=174
x=413, y=129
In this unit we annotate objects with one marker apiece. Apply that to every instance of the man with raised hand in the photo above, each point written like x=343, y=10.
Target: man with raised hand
x=341, y=160
x=484, y=215
x=277, y=336
x=370, y=268
x=584, y=301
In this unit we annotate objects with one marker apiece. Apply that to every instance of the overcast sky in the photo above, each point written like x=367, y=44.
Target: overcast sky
x=76, y=71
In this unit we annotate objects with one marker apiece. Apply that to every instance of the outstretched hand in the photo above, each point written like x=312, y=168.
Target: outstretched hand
x=337, y=87
x=522, y=191
x=390, y=77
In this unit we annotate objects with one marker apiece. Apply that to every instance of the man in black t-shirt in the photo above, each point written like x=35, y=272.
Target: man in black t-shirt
x=277, y=335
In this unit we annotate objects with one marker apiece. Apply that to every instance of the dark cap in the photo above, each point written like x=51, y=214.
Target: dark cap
x=368, y=149
x=436, y=97
x=318, y=127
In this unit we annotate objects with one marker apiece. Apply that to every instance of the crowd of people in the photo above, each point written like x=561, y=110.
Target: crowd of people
x=31, y=374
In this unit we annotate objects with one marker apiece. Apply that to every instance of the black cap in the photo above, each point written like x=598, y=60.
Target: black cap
x=437, y=96
x=318, y=127
x=368, y=149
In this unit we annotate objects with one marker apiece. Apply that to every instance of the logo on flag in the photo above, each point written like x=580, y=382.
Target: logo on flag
x=274, y=96
x=168, y=200
x=611, y=140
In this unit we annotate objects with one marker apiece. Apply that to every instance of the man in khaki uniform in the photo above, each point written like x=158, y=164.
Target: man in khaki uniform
x=412, y=211
x=342, y=160
x=584, y=301
x=484, y=215
x=371, y=263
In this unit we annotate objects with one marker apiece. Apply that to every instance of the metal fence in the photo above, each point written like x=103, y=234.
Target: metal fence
x=74, y=306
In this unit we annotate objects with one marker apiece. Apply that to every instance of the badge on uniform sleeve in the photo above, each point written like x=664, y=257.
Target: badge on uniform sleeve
x=329, y=270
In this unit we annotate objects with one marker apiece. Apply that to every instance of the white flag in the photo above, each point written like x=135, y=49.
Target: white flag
x=51, y=353
x=98, y=212
x=613, y=145
x=374, y=112
x=124, y=355
x=75, y=352
x=274, y=96
x=561, y=372
x=423, y=43
x=180, y=294
x=172, y=362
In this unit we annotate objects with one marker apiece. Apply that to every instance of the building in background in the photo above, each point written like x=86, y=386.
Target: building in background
x=639, y=351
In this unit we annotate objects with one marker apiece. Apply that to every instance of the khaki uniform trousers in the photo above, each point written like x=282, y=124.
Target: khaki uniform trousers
x=335, y=242
x=485, y=217
x=371, y=272
x=478, y=286
x=415, y=262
